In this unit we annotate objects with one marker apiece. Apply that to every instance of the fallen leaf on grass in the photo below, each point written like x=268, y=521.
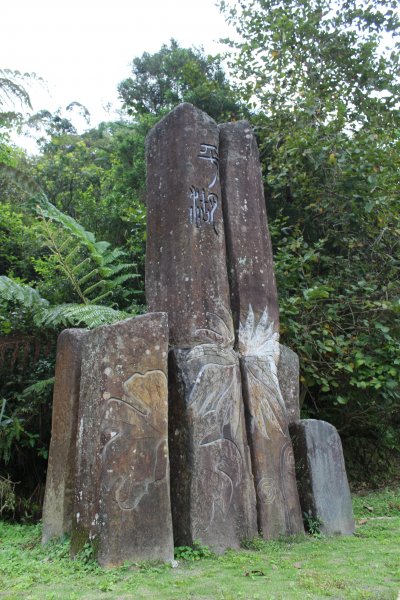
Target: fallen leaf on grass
x=297, y=565
x=259, y=573
x=370, y=508
x=362, y=521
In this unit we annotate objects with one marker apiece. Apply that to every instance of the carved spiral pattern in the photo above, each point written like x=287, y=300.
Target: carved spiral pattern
x=267, y=490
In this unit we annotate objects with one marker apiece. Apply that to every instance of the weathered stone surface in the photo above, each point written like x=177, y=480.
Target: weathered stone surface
x=288, y=376
x=212, y=487
x=59, y=496
x=321, y=474
x=122, y=500
x=278, y=504
x=186, y=273
x=249, y=250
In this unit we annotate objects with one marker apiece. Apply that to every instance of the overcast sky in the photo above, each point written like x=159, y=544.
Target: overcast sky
x=83, y=48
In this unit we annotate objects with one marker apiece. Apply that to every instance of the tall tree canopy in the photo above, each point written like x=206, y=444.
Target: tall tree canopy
x=172, y=75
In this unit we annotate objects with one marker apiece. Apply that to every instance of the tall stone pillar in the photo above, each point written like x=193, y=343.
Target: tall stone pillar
x=122, y=499
x=186, y=275
x=59, y=496
x=185, y=256
x=249, y=249
x=256, y=318
x=212, y=485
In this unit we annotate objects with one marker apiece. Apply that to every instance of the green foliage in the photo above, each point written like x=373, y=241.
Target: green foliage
x=94, y=271
x=172, y=75
x=98, y=179
x=70, y=265
x=322, y=78
x=195, y=552
x=7, y=494
x=312, y=524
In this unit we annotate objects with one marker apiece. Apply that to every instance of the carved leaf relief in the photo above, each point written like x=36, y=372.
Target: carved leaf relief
x=134, y=455
x=267, y=406
x=219, y=330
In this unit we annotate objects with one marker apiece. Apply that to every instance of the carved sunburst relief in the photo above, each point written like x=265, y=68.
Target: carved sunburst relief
x=259, y=347
x=259, y=339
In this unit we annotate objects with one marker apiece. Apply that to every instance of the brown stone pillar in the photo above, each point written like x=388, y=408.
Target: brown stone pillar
x=122, y=500
x=59, y=495
x=289, y=382
x=249, y=250
x=256, y=318
x=186, y=272
x=213, y=495
x=212, y=485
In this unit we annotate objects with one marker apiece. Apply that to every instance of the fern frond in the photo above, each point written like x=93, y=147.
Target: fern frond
x=24, y=294
x=122, y=278
x=70, y=254
x=76, y=269
x=100, y=298
x=87, y=315
x=95, y=286
x=113, y=255
x=38, y=387
x=115, y=269
x=88, y=276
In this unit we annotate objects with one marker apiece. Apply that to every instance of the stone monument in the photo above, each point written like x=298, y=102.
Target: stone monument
x=212, y=487
x=122, y=501
x=324, y=490
x=174, y=426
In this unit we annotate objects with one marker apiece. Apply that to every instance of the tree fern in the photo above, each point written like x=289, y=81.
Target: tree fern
x=28, y=297
x=11, y=87
x=95, y=272
x=78, y=315
x=53, y=317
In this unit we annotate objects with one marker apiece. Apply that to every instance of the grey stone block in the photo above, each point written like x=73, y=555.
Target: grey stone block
x=321, y=475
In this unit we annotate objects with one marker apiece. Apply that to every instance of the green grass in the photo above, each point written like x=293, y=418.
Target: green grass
x=366, y=565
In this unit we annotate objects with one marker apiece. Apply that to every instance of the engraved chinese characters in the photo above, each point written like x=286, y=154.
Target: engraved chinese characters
x=122, y=501
x=186, y=273
x=203, y=202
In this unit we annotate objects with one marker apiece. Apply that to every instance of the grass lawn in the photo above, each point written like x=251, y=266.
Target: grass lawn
x=366, y=565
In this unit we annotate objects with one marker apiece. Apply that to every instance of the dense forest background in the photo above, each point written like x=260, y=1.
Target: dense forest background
x=319, y=82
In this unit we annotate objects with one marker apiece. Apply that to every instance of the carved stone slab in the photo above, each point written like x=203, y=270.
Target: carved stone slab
x=212, y=487
x=122, y=500
x=321, y=474
x=186, y=273
x=59, y=496
x=271, y=449
x=248, y=241
x=288, y=376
